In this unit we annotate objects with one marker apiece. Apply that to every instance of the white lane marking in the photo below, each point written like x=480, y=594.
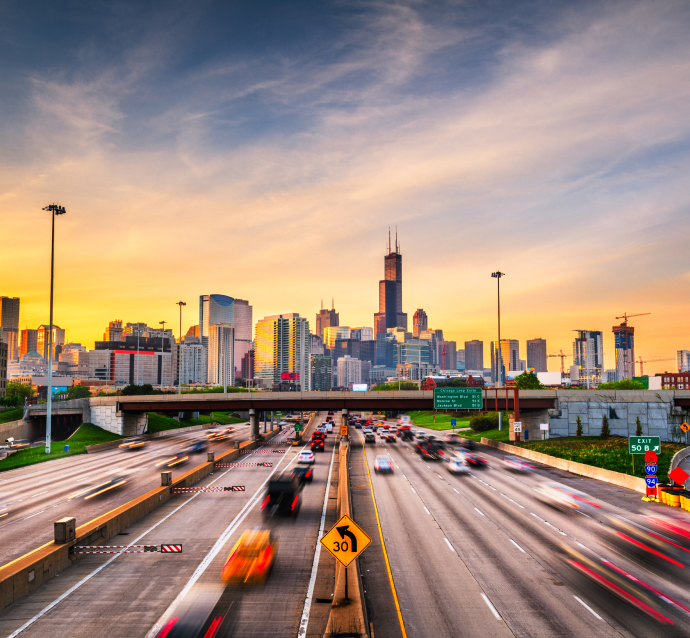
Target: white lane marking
x=581, y=545
x=314, y=568
x=452, y=549
x=414, y=490
x=516, y=545
x=39, y=494
x=439, y=476
x=491, y=607
x=456, y=491
x=36, y=514
x=403, y=475
x=482, y=513
x=588, y=608
x=583, y=514
x=427, y=511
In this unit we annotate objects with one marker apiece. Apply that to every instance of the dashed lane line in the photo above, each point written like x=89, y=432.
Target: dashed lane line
x=588, y=608
x=491, y=607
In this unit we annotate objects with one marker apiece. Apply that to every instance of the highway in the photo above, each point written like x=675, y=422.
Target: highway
x=33, y=497
x=479, y=554
x=136, y=594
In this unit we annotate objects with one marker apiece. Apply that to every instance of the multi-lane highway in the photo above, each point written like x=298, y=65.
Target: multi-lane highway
x=480, y=554
x=33, y=497
x=136, y=594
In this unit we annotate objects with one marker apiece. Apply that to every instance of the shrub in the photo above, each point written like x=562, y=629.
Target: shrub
x=638, y=429
x=605, y=431
x=578, y=432
x=484, y=422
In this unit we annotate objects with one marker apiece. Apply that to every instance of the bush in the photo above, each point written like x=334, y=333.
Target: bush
x=623, y=384
x=484, y=422
x=605, y=431
x=579, y=427
x=638, y=429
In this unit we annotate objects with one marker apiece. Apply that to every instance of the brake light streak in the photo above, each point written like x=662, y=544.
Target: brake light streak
x=649, y=549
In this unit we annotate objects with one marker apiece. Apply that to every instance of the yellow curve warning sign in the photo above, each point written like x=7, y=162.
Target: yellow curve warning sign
x=345, y=540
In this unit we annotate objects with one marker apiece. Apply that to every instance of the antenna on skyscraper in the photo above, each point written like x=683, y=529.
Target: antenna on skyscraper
x=332, y=303
x=389, y=239
x=321, y=303
x=396, y=240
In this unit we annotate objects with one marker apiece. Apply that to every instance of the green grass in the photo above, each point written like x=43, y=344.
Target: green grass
x=441, y=422
x=610, y=454
x=159, y=422
x=87, y=434
x=495, y=435
x=11, y=415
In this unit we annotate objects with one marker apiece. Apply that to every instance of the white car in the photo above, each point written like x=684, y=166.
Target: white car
x=517, y=464
x=458, y=465
x=329, y=427
x=306, y=456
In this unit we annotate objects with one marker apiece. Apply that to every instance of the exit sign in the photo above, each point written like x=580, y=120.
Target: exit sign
x=458, y=399
x=642, y=444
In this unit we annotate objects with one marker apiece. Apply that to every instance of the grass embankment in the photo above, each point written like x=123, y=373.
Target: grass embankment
x=438, y=420
x=11, y=415
x=87, y=434
x=159, y=422
x=610, y=454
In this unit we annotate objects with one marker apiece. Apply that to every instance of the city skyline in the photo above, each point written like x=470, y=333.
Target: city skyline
x=386, y=115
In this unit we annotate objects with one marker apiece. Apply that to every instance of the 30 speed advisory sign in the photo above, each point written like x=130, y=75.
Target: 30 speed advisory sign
x=346, y=540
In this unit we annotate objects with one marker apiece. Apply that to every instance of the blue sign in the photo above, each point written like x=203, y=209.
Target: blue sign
x=526, y=435
x=651, y=481
x=453, y=422
x=650, y=469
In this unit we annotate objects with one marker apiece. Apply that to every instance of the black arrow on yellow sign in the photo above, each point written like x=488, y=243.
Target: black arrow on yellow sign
x=344, y=531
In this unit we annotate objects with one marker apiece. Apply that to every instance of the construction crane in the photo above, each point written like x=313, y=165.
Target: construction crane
x=626, y=315
x=642, y=362
x=562, y=356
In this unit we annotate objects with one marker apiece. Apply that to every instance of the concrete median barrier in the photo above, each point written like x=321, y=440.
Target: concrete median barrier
x=590, y=471
x=23, y=575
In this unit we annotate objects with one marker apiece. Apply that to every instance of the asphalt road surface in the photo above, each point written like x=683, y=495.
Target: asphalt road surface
x=135, y=594
x=35, y=496
x=480, y=554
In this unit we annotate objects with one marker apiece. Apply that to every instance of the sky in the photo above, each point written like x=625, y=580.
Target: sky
x=263, y=150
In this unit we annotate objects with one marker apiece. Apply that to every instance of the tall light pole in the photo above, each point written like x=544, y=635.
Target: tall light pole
x=163, y=351
x=54, y=210
x=179, y=376
x=499, y=358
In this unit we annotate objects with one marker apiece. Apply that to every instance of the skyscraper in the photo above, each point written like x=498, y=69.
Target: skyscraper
x=326, y=318
x=624, y=337
x=214, y=309
x=474, y=355
x=42, y=340
x=114, y=331
x=536, y=354
x=509, y=357
x=29, y=341
x=282, y=344
x=588, y=357
x=390, y=314
x=332, y=333
x=221, y=354
x=192, y=361
x=321, y=373
x=9, y=325
x=420, y=322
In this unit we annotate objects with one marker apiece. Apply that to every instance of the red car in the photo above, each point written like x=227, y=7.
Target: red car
x=317, y=445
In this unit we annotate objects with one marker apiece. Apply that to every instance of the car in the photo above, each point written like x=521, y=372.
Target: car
x=390, y=437
x=474, y=460
x=358, y=425
x=132, y=444
x=421, y=434
x=370, y=437
x=100, y=488
x=317, y=445
x=564, y=497
x=329, y=428
x=282, y=496
x=453, y=439
x=458, y=465
x=303, y=474
x=251, y=559
x=432, y=450
x=306, y=456
x=383, y=464
x=517, y=464
x=368, y=431
x=318, y=435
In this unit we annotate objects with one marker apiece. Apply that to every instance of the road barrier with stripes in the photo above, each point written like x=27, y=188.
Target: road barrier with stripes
x=127, y=549
x=243, y=465
x=188, y=490
x=263, y=451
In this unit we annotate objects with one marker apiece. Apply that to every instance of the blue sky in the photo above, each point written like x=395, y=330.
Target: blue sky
x=263, y=149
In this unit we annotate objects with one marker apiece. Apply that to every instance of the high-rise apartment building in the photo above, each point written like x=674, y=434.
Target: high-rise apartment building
x=132, y=361
x=43, y=340
x=509, y=354
x=588, y=357
x=331, y=334
x=460, y=359
x=9, y=325
x=282, y=344
x=434, y=337
x=474, y=355
x=352, y=371
x=192, y=361
x=420, y=322
x=248, y=366
x=447, y=355
x=221, y=354
x=624, y=339
x=683, y=360
x=3, y=366
x=536, y=354
x=326, y=319
x=390, y=314
x=214, y=309
x=317, y=345
x=114, y=331
x=321, y=373
x=29, y=342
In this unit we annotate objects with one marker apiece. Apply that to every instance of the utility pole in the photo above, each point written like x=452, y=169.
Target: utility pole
x=163, y=351
x=499, y=357
x=179, y=376
x=54, y=210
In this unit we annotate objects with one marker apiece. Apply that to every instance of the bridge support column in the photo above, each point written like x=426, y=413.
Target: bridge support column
x=343, y=421
x=253, y=424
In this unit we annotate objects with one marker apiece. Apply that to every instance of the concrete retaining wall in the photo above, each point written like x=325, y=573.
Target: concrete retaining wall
x=25, y=574
x=608, y=476
x=16, y=429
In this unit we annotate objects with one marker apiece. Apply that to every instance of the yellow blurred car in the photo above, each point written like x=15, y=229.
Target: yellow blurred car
x=251, y=559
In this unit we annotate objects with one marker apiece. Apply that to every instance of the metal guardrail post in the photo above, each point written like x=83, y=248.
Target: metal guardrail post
x=166, y=479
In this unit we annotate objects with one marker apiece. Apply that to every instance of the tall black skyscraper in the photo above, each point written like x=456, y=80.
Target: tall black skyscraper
x=390, y=314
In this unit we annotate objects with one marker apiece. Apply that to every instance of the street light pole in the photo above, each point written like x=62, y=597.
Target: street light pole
x=499, y=358
x=54, y=210
x=163, y=351
x=179, y=376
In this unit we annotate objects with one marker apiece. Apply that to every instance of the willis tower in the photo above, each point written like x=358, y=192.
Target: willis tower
x=390, y=314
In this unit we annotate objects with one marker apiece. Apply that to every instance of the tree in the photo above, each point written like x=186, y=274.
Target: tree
x=638, y=429
x=389, y=387
x=624, y=384
x=528, y=381
x=578, y=432
x=19, y=390
x=605, y=431
x=78, y=392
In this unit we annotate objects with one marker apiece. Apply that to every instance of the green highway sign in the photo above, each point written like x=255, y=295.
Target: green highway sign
x=458, y=399
x=298, y=427
x=642, y=444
